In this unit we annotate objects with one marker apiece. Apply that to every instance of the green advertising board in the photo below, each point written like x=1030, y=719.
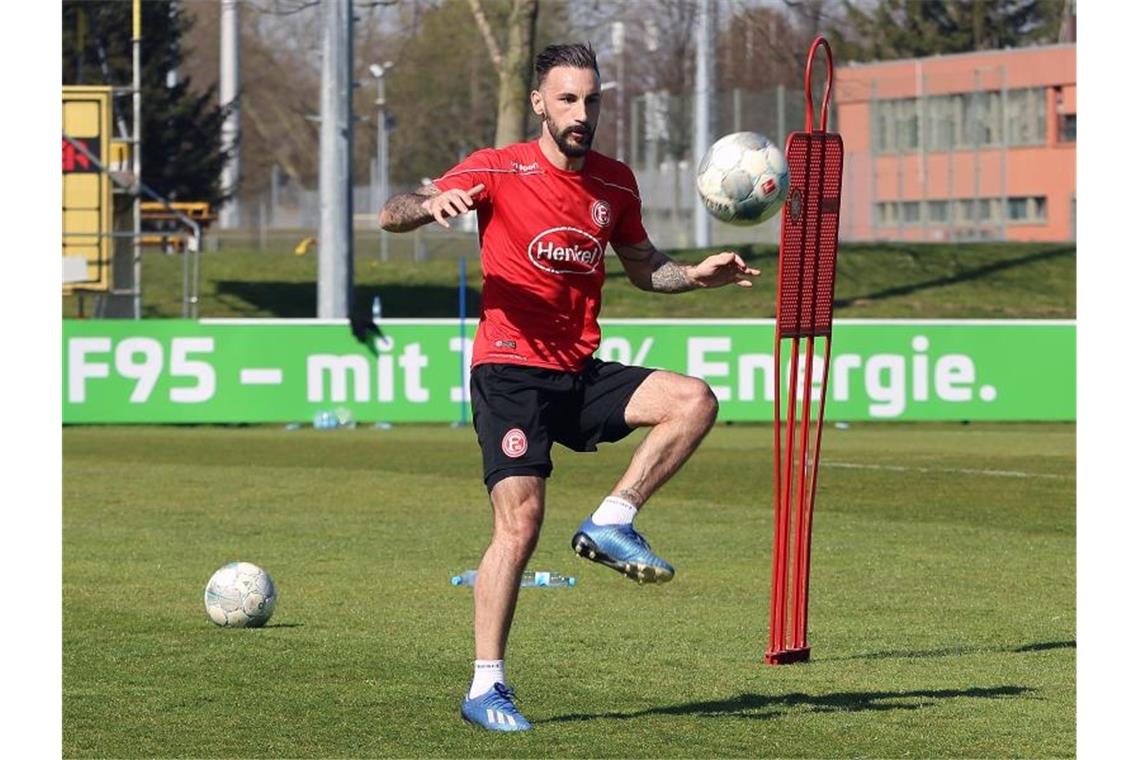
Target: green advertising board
x=250, y=371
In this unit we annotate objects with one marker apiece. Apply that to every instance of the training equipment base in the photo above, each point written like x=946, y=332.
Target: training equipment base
x=787, y=656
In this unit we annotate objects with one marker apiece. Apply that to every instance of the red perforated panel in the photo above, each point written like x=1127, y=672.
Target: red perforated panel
x=809, y=236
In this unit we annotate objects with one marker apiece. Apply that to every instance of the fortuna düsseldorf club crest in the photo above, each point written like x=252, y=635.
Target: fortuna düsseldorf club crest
x=514, y=443
x=795, y=204
x=600, y=213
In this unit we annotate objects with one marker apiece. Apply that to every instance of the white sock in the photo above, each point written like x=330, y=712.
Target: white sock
x=614, y=510
x=487, y=674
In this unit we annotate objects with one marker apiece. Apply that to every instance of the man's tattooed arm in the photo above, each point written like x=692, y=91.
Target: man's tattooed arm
x=649, y=269
x=406, y=211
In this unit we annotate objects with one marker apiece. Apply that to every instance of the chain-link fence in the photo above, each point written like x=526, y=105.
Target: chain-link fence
x=960, y=156
x=661, y=155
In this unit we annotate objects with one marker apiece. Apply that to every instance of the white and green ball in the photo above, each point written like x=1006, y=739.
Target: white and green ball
x=240, y=595
x=743, y=179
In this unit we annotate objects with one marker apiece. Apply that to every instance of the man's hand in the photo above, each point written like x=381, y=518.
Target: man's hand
x=450, y=203
x=722, y=269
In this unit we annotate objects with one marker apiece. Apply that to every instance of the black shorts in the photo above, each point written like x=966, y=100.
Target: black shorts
x=520, y=412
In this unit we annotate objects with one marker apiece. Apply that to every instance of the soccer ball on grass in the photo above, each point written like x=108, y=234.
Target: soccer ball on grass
x=240, y=595
x=743, y=179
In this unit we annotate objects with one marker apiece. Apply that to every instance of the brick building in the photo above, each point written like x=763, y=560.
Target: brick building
x=971, y=146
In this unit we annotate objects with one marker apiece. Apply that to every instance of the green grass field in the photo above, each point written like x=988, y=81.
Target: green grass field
x=978, y=280
x=943, y=608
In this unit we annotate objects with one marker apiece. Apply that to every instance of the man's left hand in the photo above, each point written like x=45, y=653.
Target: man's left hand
x=722, y=269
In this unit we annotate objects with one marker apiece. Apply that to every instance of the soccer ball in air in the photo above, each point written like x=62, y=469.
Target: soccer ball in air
x=240, y=595
x=743, y=179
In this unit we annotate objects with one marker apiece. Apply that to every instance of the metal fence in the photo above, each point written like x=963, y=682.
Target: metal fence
x=932, y=166
x=660, y=154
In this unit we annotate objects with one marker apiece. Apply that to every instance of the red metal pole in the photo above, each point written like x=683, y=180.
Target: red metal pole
x=800, y=622
x=775, y=620
x=799, y=557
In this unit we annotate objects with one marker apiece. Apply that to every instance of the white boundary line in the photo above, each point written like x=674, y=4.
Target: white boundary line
x=958, y=470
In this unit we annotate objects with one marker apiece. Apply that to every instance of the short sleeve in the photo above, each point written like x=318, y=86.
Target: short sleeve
x=482, y=166
x=629, y=229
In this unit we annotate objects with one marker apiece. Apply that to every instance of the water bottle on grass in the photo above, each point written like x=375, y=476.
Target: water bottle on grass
x=530, y=579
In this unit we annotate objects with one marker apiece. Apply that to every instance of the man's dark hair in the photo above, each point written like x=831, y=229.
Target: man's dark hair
x=577, y=56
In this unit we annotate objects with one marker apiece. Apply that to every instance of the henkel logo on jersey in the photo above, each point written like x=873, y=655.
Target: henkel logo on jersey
x=565, y=250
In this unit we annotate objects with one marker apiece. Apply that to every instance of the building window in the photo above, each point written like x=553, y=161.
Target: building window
x=1067, y=127
x=906, y=124
x=976, y=209
x=963, y=211
x=982, y=210
x=910, y=212
x=896, y=125
x=960, y=122
x=984, y=116
x=886, y=214
x=880, y=121
x=943, y=120
x=1026, y=209
x=1025, y=116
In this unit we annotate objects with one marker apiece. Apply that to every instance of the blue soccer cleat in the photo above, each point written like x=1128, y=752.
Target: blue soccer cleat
x=622, y=548
x=495, y=710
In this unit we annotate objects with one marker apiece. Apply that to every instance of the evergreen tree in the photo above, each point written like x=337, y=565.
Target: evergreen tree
x=915, y=28
x=182, y=153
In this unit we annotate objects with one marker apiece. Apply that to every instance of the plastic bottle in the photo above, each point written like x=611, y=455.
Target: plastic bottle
x=530, y=579
x=331, y=419
x=324, y=420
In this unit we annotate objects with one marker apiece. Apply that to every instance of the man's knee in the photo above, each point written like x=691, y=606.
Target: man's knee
x=667, y=397
x=698, y=402
x=518, y=537
x=518, y=520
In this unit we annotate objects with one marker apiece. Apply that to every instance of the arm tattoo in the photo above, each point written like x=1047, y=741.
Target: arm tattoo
x=652, y=270
x=668, y=276
x=405, y=211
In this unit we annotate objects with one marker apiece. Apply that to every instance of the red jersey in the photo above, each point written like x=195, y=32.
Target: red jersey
x=543, y=232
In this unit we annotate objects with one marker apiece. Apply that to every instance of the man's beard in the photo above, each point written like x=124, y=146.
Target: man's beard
x=569, y=149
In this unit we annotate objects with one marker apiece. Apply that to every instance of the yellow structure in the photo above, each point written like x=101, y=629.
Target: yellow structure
x=162, y=225
x=87, y=225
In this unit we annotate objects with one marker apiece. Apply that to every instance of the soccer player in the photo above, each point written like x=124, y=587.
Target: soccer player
x=547, y=209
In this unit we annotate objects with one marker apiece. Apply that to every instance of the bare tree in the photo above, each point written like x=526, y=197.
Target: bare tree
x=512, y=64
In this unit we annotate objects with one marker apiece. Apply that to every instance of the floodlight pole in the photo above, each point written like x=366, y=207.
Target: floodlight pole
x=378, y=71
x=618, y=38
x=228, y=71
x=701, y=107
x=334, y=246
x=136, y=154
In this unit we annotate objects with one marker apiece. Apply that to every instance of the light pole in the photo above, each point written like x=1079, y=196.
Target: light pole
x=615, y=85
x=379, y=70
x=618, y=38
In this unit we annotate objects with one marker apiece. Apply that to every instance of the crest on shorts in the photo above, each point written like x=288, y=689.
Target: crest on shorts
x=601, y=214
x=514, y=443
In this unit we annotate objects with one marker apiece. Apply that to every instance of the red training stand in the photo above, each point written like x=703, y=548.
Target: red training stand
x=805, y=291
